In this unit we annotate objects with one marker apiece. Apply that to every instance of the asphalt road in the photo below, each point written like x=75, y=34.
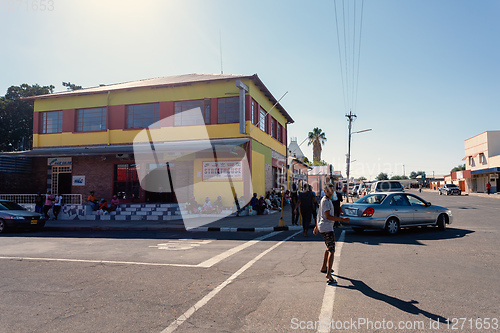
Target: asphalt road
x=256, y=282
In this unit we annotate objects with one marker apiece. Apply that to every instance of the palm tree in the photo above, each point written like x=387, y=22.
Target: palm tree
x=316, y=138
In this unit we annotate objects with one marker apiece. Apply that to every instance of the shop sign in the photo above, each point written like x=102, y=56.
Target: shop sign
x=300, y=176
x=78, y=181
x=59, y=161
x=222, y=170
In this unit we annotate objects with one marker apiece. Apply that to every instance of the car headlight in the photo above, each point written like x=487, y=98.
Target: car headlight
x=17, y=218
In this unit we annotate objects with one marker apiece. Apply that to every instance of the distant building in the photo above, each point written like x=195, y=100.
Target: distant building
x=482, y=161
x=294, y=150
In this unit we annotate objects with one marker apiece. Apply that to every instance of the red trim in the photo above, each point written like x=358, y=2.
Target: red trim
x=214, y=111
x=68, y=120
x=268, y=123
x=167, y=114
x=116, y=117
x=36, y=123
x=248, y=107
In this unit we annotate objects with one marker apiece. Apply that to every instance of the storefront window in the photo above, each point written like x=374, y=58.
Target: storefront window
x=142, y=115
x=91, y=119
x=188, y=119
x=126, y=182
x=51, y=122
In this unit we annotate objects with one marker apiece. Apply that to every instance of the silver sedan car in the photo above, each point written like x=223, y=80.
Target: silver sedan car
x=394, y=210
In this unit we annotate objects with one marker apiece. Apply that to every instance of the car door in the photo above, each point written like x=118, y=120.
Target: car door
x=422, y=214
x=402, y=209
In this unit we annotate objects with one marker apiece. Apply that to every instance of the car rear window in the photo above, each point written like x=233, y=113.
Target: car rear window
x=387, y=186
x=372, y=199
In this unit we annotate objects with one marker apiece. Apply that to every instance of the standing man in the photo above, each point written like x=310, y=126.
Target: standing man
x=324, y=225
x=307, y=202
x=57, y=205
x=38, y=203
x=488, y=188
x=336, y=200
x=294, y=198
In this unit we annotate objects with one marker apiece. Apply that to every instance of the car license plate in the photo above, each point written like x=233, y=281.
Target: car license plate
x=351, y=212
x=34, y=221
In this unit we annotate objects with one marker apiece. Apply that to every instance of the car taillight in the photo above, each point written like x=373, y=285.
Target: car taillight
x=368, y=212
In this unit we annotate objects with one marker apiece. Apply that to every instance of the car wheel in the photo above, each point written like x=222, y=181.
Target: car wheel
x=440, y=193
x=357, y=229
x=2, y=226
x=441, y=222
x=392, y=226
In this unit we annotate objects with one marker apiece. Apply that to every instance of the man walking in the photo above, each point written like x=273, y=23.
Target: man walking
x=324, y=225
x=307, y=202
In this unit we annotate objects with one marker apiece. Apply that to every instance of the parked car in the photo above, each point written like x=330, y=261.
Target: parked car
x=13, y=216
x=449, y=189
x=394, y=210
x=387, y=186
x=354, y=191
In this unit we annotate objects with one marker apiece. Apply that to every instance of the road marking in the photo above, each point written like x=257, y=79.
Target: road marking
x=214, y=260
x=206, y=264
x=182, y=244
x=326, y=313
x=186, y=315
x=98, y=261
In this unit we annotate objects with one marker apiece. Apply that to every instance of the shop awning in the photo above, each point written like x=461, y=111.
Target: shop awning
x=489, y=170
x=182, y=146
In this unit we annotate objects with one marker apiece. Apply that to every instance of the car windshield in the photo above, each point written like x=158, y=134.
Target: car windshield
x=452, y=185
x=372, y=199
x=9, y=205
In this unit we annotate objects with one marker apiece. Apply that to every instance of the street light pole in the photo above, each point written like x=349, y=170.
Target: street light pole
x=350, y=118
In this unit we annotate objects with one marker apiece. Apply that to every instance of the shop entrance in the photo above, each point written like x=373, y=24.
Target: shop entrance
x=61, y=179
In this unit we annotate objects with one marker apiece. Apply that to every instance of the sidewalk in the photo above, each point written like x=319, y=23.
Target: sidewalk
x=257, y=223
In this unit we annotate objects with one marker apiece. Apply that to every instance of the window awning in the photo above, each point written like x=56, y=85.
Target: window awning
x=181, y=146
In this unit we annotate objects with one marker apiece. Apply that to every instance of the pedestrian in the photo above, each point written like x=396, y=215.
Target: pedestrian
x=294, y=198
x=307, y=203
x=324, y=226
x=56, y=209
x=316, y=204
x=38, y=202
x=420, y=188
x=336, y=200
x=488, y=188
x=92, y=201
x=49, y=201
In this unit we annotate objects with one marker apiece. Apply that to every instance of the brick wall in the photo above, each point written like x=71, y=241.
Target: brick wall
x=98, y=172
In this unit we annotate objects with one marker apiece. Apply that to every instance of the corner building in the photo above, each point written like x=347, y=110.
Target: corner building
x=83, y=140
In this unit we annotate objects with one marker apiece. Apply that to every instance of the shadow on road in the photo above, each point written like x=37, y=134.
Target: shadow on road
x=413, y=236
x=406, y=306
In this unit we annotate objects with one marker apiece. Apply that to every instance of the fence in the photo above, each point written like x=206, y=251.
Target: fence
x=75, y=199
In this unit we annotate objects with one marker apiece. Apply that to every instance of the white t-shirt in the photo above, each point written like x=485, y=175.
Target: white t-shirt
x=58, y=201
x=325, y=225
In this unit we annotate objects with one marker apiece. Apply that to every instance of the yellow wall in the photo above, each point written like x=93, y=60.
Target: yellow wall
x=258, y=173
x=213, y=189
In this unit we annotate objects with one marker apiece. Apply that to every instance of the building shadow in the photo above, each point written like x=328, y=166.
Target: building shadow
x=406, y=306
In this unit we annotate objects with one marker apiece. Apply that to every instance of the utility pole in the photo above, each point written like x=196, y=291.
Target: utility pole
x=350, y=117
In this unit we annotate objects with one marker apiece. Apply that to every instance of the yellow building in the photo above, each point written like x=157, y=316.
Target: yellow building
x=145, y=140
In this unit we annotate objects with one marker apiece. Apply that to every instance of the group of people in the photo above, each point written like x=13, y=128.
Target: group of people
x=207, y=207
x=305, y=204
x=44, y=203
x=101, y=206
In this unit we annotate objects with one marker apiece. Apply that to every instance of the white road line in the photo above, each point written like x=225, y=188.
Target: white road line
x=326, y=313
x=98, y=261
x=214, y=260
x=185, y=316
x=206, y=264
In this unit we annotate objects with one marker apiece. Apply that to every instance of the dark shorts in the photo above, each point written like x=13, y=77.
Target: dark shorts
x=329, y=238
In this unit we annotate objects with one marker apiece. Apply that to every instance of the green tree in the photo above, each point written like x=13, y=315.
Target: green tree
x=414, y=175
x=458, y=168
x=382, y=176
x=398, y=177
x=319, y=163
x=317, y=138
x=361, y=178
x=71, y=86
x=16, y=116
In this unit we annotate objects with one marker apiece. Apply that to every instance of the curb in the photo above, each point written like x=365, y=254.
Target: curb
x=171, y=228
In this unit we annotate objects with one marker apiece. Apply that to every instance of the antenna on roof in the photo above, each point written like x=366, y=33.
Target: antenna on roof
x=220, y=44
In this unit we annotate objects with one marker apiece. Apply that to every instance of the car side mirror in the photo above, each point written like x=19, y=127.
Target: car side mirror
x=427, y=204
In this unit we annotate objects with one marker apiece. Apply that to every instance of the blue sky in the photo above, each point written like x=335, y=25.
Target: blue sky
x=428, y=70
